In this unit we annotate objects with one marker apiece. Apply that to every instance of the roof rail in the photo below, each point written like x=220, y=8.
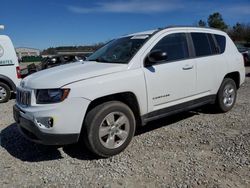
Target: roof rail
x=176, y=26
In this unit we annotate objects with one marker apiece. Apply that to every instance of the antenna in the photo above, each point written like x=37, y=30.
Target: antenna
x=1, y=27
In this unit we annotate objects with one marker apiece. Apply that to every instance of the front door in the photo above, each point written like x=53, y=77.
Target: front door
x=173, y=81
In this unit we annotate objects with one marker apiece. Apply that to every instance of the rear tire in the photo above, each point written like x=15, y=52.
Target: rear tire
x=227, y=95
x=109, y=128
x=5, y=93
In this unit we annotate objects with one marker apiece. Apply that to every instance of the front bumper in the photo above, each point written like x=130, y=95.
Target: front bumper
x=29, y=130
x=67, y=117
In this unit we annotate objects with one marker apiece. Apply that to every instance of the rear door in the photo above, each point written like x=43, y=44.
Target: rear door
x=206, y=58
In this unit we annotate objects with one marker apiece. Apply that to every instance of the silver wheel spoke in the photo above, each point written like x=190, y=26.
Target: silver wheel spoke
x=121, y=121
x=110, y=142
x=230, y=91
x=122, y=134
x=110, y=119
x=104, y=131
x=225, y=100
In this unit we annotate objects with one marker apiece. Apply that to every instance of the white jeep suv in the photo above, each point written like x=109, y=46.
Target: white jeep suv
x=130, y=81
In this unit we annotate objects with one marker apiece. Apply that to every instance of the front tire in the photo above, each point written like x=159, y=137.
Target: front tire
x=5, y=93
x=226, y=96
x=109, y=128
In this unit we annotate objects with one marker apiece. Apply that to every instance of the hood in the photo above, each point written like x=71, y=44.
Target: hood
x=59, y=76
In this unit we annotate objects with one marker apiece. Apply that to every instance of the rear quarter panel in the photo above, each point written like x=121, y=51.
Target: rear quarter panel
x=235, y=60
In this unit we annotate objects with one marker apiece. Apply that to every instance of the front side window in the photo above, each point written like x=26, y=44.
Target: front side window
x=175, y=45
x=201, y=44
x=120, y=50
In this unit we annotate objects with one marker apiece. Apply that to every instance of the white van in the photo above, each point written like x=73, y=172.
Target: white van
x=130, y=81
x=9, y=69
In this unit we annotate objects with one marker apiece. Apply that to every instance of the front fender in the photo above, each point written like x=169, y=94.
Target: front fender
x=128, y=81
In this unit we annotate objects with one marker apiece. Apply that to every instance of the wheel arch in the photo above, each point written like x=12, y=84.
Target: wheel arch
x=128, y=98
x=8, y=82
x=234, y=76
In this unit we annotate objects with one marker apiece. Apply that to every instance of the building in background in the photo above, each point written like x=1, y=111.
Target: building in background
x=24, y=52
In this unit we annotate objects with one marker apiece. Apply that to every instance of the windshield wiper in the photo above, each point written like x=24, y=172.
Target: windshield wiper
x=99, y=59
x=102, y=60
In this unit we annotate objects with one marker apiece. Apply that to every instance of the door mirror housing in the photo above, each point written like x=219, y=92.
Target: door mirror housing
x=156, y=56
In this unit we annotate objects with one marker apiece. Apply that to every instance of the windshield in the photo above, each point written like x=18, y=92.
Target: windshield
x=120, y=50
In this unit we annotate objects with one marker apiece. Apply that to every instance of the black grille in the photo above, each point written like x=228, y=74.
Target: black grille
x=23, y=97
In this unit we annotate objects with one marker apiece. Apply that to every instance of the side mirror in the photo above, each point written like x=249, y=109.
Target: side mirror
x=156, y=56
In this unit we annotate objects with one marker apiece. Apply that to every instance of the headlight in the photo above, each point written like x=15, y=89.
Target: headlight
x=47, y=96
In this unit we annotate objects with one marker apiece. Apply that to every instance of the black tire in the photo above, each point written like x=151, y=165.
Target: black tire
x=224, y=106
x=95, y=119
x=5, y=93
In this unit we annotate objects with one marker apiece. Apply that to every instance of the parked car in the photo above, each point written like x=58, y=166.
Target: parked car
x=9, y=69
x=245, y=52
x=59, y=60
x=130, y=81
x=53, y=61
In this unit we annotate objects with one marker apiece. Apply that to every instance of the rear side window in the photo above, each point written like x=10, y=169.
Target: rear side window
x=175, y=45
x=201, y=44
x=221, y=41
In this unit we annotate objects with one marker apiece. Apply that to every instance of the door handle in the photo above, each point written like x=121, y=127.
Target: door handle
x=187, y=67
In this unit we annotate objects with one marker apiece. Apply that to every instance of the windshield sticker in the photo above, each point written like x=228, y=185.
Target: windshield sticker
x=6, y=62
x=140, y=37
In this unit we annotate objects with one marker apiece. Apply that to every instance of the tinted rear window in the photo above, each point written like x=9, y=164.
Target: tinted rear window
x=221, y=41
x=201, y=44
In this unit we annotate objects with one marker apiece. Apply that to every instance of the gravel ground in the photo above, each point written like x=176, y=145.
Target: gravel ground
x=192, y=149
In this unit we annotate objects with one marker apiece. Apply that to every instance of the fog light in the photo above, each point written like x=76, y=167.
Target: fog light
x=45, y=122
x=50, y=122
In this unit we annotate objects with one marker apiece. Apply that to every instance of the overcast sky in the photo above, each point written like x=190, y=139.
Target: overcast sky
x=49, y=23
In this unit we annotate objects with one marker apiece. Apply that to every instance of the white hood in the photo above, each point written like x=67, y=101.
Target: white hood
x=59, y=76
